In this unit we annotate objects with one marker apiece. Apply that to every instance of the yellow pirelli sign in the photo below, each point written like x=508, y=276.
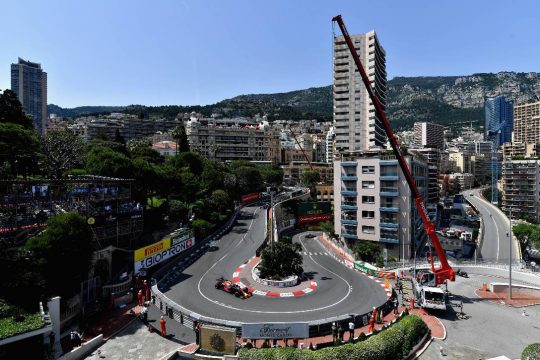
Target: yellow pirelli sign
x=150, y=250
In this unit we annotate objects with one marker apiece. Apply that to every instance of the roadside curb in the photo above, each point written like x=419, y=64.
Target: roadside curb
x=236, y=279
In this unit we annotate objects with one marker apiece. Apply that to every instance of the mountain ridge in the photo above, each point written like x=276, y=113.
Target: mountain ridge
x=440, y=99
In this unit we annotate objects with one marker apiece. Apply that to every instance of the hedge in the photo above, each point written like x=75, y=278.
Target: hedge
x=391, y=344
x=15, y=321
x=531, y=352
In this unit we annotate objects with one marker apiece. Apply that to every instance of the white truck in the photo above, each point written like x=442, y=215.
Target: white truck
x=426, y=294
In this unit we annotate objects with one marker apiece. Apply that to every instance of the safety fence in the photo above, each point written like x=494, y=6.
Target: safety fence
x=186, y=317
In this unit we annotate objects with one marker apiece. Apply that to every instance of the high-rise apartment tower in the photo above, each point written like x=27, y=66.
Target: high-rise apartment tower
x=356, y=124
x=29, y=82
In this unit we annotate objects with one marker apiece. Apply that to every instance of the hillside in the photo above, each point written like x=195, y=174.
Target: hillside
x=441, y=99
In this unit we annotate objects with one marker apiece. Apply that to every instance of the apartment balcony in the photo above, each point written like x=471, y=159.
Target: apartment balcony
x=349, y=222
x=389, y=193
x=389, y=225
x=389, y=209
x=389, y=240
x=389, y=177
x=349, y=177
x=349, y=164
x=348, y=192
x=388, y=162
x=350, y=236
x=349, y=207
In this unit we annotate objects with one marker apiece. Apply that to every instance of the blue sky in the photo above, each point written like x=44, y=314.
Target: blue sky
x=112, y=52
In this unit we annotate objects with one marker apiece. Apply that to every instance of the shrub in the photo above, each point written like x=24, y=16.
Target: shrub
x=391, y=344
x=531, y=352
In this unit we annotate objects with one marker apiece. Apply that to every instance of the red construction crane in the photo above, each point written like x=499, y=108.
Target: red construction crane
x=445, y=272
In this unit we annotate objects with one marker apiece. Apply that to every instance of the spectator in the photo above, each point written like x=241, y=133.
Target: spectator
x=144, y=314
x=351, y=331
x=334, y=332
x=395, y=305
x=162, y=323
x=341, y=332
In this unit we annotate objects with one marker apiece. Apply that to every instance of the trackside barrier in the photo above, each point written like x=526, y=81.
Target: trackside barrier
x=186, y=317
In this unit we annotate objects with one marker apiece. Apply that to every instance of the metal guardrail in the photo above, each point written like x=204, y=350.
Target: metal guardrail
x=186, y=317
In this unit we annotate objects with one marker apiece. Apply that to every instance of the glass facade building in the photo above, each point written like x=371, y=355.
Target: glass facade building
x=498, y=120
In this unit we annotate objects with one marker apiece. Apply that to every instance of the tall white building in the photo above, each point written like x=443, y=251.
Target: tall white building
x=356, y=125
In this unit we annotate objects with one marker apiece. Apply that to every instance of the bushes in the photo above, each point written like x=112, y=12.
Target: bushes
x=391, y=344
x=531, y=352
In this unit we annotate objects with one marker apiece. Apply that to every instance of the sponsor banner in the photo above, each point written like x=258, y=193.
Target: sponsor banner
x=275, y=331
x=314, y=218
x=314, y=208
x=250, y=197
x=158, y=252
x=180, y=235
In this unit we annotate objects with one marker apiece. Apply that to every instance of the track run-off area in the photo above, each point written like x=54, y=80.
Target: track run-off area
x=340, y=292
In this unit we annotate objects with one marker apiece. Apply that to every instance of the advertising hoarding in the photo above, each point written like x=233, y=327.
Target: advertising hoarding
x=309, y=212
x=160, y=251
x=250, y=197
x=275, y=331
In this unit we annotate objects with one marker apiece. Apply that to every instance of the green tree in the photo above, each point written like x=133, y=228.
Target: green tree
x=284, y=261
x=221, y=200
x=366, y=250
x=190, y=186
x=202, y=228
x=62, y=253
x=248, y=179
x=119, y=138
x=212, y=176
x=18, y=149
x=327, y=227
x=63, y=151
x=531, y=352
x=272, y=174
x=11, y=110
x=309, y=179
x=147, y=180
x=179, y=135
x=190, y=160
x=106, y=162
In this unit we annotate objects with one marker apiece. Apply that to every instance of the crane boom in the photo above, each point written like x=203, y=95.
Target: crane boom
x=445, y=272
x=301, y=149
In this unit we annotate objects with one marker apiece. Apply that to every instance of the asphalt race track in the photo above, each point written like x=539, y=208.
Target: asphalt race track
x=340, y=292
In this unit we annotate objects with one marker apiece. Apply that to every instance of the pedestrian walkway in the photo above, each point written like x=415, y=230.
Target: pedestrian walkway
x=501, y=297
x=109, y=322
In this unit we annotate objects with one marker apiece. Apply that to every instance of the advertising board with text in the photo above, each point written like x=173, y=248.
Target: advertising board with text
x=309, y=212
x=275, y=331
x=160, y=251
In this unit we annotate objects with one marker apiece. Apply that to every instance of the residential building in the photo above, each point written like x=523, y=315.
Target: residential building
x=432, y=157
x=459, y=161
x=521, y=187
x=515, y=149
x=165, y=148
x=357, y=127
x=234, y=139
x=292, y=172
x=527, y=123
x=29, y=82
x=372, y=201
x=428, y=135
x=330, y=135
x=498, y=120
x=325, y=192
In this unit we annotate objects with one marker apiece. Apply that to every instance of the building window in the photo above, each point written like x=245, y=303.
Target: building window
x=368, y=214
x=368, y=184
x=368, y=199
x=368, y=169
x=368, y=229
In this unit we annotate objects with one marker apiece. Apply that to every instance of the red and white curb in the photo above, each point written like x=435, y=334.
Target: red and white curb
x=236, y=279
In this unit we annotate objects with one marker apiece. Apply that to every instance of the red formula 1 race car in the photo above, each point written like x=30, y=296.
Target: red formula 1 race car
x=231, y=288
